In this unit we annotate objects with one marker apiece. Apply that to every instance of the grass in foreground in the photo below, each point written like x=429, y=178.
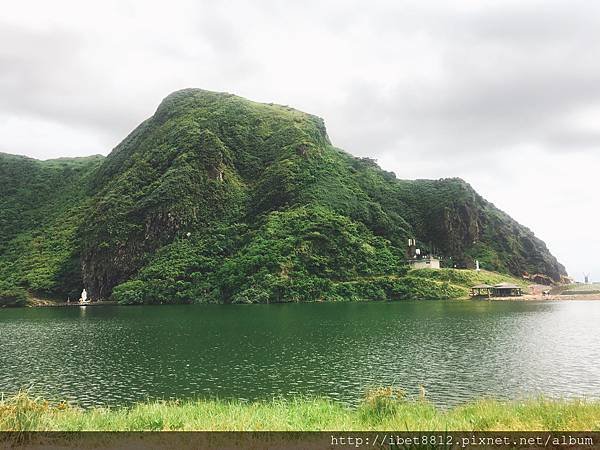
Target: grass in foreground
x=381, y=409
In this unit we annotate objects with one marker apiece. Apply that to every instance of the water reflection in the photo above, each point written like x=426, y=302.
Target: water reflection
x=457, y=350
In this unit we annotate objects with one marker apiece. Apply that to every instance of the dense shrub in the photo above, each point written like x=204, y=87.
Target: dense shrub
x=133, y=292
x=12, y=296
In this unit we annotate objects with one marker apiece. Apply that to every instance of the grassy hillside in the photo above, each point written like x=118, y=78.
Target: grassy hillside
x=383, y=409
x=217, y=198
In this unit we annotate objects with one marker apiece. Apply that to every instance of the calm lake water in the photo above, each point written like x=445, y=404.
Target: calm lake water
x=457, y=350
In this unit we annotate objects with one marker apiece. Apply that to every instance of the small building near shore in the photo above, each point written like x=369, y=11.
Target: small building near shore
x=481, y=290
x=426, y=262
x=417, y=260
x=506, y=290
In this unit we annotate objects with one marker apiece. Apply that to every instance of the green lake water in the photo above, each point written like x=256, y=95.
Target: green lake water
x=117, y=355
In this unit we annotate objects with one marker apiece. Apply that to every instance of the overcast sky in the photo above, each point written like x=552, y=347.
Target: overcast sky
x=505, y=94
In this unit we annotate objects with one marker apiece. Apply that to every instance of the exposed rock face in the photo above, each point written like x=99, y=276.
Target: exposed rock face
x=467, y=227
x=207, y=162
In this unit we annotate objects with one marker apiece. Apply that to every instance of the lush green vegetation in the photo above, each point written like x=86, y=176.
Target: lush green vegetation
x=216, y=198
x=41, y=208
x=382, y=409
x=302, y=254
x=12, y=295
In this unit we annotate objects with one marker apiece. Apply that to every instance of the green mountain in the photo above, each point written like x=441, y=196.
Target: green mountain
x=217, y=198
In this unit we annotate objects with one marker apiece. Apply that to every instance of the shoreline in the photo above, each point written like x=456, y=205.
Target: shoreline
x=38, y=303
x=44, y=303
x=544, y=298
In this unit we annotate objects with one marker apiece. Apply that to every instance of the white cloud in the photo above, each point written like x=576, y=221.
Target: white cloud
x=40, y=138
x=501, y=93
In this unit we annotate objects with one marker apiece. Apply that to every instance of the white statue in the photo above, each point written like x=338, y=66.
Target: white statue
x=83, y=298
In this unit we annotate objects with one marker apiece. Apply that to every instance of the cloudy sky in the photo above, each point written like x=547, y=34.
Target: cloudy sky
x=505, y=94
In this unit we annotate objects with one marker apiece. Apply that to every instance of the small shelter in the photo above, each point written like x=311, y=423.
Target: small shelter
x=506, y=290
x=426, y=262
x=417, y=259
x=481, y=290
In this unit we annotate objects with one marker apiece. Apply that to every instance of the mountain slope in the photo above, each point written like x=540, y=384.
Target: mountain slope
x=217, y=198
x=42, y=205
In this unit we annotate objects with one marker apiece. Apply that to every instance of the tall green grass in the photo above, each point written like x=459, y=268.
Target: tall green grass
x=466, y=278
x=381, y=409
